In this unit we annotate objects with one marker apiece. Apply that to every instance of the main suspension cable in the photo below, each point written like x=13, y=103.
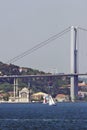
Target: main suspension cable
x=36, y=47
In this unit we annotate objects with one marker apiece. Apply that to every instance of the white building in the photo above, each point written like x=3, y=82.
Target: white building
x=24, y=95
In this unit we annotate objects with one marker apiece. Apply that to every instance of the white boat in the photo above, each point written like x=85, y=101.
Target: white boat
x=51, y=101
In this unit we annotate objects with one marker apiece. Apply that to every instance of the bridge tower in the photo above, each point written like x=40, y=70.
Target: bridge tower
x=74, y=64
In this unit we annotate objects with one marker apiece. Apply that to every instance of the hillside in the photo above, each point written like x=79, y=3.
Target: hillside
x=48, y=85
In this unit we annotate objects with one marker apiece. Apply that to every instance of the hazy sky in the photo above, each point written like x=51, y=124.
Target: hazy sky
x=26, y=23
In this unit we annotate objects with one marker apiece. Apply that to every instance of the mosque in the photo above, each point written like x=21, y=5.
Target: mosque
x=23, y=96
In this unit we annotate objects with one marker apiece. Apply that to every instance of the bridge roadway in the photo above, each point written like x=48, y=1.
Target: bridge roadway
x=45, y=75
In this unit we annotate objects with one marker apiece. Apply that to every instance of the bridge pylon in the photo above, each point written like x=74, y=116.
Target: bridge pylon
x=74, y=64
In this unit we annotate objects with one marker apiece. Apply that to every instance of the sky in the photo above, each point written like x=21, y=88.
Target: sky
x=26, y=23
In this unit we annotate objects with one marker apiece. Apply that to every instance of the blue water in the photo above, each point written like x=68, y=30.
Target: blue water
x=64, y=116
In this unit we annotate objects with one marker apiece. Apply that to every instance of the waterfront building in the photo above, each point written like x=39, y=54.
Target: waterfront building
x=62, y=98
x=38, y=96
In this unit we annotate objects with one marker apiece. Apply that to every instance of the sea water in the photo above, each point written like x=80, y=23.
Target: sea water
x=38, y=116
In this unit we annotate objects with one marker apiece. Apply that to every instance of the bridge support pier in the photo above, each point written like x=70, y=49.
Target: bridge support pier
x=74, y=88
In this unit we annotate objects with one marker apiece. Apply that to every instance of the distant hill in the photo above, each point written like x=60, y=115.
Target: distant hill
x=11, y=69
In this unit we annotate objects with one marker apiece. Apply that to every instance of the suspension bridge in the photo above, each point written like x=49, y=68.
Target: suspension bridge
x=74, y=61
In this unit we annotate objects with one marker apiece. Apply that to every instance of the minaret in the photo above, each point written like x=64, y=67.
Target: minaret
x=74, y=79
